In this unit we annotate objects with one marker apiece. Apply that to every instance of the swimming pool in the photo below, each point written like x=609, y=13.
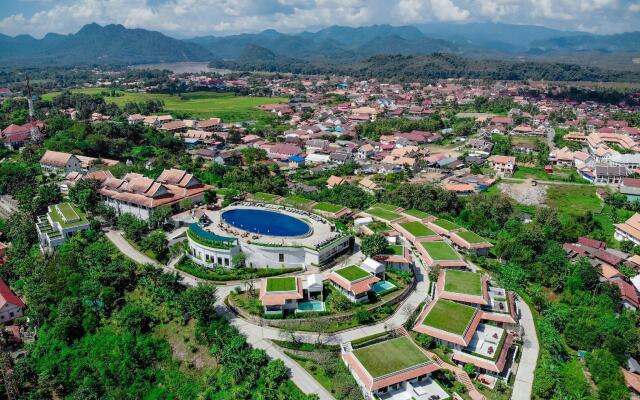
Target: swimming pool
x=310, y=306
x=265, y=222
x=383, y=287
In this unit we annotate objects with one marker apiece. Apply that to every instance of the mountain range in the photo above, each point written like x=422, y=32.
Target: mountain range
x=115, y=44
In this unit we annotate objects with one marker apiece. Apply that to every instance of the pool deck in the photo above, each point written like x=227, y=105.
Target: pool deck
x=319, y=233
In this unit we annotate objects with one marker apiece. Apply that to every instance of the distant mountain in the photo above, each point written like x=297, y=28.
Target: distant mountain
x=95, y=44
x=496, y=36
x=354, y=37
x=625, y=42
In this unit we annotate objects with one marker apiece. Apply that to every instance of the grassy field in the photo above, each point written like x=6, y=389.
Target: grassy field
x=417, y=229
x=572, y=199
x=328, y=207
x=352, y=273
x=390, y=356
x=417, y=213
x=471, y=237
x=450, y=316
x=463, y=282
x=285, y=284
x=440, y=251
x=229, y=107
x=382, y=213
x=445, y=224
x=558, y=174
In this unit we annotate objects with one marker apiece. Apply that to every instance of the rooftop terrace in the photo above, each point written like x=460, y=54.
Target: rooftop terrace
x=440, y=251
x=352, y=273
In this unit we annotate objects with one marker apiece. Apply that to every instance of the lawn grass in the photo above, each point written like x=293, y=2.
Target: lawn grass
x=463, y=282
x=265, y=196
x=558, y=174
x=228, y=106
x=379, y=227
x=471, y=237
x=394, y=249
x=382, y=213
x=352, y=273
x=390, y=356
x=572, y=200
x=417, y=229
x=385, y=206
x=440, y=251
x=297, y=201
x=417, y=213
x=282, y=284
x=328, y=207
x=450, y=316
x=446, y=224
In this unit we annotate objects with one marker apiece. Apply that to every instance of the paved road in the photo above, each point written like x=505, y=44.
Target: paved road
x=524, y=377
x=261, y=336
x=254, y=333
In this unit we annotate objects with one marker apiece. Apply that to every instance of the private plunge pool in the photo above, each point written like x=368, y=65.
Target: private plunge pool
x=383, y=287
x=263, y=222
x=307, y=306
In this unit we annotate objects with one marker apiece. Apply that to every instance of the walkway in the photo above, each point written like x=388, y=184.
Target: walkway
x=522, y=386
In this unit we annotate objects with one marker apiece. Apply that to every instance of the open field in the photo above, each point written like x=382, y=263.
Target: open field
x=463, y=282
x=229, y=107
x=390, y=356
x=450, y=316
x=558, y=174
x=573, y=200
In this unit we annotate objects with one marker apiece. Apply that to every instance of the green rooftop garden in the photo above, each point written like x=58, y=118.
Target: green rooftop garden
x=446, y=224
x=385, y=206
x=352, y=273
x=471, y=237
x=417, y=229
x=268, y=197
x=379, y=227
x=382, y=213
x=417, y=213
x=297, y=201
x=440, y=251
x=450, y=316
x=390, y=356
x=394, y=249
x=71, y=213
x=328, y=207
x=463, y=282
x=284, y=284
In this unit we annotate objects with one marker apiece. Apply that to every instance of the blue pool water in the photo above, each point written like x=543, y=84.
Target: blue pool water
x=311, y=306
x=383, y=286
x=266, y=222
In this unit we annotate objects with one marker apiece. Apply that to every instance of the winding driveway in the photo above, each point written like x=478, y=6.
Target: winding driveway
x=261, y=336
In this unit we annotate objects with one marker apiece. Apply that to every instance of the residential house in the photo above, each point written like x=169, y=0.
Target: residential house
x=629, y=230
x=354, y=282
x=59, y=223
x=504, y=165
x=11, y=306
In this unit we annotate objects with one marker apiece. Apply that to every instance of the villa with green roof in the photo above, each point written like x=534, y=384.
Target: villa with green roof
x=354, y=282
x=280, y=295
x=443, y=226
x=460, y=326
x=415, y=231
x=463, y=286
x=440, y=254
x=59, y=223
x=393, y=369
x=470, y=242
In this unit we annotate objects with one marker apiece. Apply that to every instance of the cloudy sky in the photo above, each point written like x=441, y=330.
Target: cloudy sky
x=187, y=18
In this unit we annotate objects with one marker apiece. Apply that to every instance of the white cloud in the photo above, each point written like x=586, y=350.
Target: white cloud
x=184, y=18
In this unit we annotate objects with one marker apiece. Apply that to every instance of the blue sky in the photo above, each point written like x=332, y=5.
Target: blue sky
x=187, y=18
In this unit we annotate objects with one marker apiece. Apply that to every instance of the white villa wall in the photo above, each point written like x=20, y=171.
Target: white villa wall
x=208, y=256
